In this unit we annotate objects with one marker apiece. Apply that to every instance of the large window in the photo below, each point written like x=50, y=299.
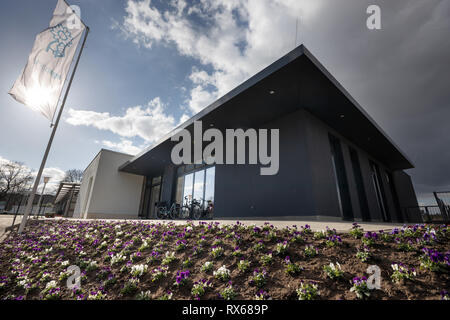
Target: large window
x=364, y=206
x=197, y=184
x=379, y=191
x=340, y=177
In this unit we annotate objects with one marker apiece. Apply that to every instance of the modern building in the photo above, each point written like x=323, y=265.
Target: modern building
x=335, y=162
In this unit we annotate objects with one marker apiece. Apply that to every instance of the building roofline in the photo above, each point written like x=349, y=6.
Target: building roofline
x=278, y=64
x=107, y=150
x=267, y=71
x=330, y=77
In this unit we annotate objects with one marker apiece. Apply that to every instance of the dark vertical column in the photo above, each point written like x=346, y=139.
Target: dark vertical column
x=167, y=184
x=146, y=200
x=360, y=185
x=395, y=197
x=341, y=177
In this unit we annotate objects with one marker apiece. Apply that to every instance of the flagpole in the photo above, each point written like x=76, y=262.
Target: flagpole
x=47, y=150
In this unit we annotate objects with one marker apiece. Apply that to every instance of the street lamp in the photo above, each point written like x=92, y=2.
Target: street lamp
x=46, y=179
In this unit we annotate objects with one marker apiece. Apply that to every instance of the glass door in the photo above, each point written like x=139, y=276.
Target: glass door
x=198, y=185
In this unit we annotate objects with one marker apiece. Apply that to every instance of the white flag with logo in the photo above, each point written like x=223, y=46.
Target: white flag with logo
x=41, y=82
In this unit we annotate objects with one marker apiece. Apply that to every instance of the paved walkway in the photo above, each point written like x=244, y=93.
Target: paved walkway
x=5, y=223
x=340, y=226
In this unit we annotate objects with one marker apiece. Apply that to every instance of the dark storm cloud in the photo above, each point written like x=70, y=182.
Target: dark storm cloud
x=399, y=74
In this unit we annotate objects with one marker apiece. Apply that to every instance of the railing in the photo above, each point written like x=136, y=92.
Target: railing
x=443, y=201
x=425, y=214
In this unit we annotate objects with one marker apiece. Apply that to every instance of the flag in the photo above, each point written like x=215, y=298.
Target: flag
x=41, y=82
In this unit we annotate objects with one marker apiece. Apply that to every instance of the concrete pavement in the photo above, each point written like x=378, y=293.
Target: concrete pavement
x=340, y=226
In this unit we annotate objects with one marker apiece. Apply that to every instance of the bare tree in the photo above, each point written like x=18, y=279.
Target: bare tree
x=73, y=175
x=15, y=177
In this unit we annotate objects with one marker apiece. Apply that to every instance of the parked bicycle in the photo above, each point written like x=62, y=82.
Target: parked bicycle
x=163, y=212
x=195, y=209
x=206, y=212
x=191, y=209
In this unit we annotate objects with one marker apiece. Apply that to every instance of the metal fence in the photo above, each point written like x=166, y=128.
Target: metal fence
x=424, y=214
x=443, y=201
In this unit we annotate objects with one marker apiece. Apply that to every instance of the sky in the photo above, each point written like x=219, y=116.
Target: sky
x=149, y=65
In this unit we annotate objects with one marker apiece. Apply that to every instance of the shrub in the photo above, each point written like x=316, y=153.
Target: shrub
x=262, y=295
x=333, y=271
x=259, y=246
x=169, y=258
x=237, y=252
x=130, y=286
x=404, y=246
x=187, y=262
x=166, y=296
x=333, y=240
x=259, y=278
x=199, y=287
x=369, y=238
x=402, y=272
x=435, y=260
x=243, y=265
x=96, y=295
x=228, y=293
x=144, y=295
x=216, y=252
x=360, y=287
x=310, y=251
x=182, y=278
x=292, y=268
x=306, y=229
x=308, y=291
x=180, y=245
x=207, y=266
x=320, y=235
x=281, y=248
x=138, y=270
x=356, y=231
x=266, y=259
x=159, y=273
x=222, y=273
x=364, y=255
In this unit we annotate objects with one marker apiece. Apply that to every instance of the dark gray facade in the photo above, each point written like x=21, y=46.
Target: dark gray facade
x=335, y=162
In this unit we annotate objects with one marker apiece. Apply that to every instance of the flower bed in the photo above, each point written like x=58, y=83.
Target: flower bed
x=142, y=260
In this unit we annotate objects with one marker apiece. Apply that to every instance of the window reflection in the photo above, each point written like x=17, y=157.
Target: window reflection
x=198, y=185
x=188, y=186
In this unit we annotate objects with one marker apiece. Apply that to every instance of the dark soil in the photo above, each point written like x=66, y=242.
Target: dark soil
x=62, y=235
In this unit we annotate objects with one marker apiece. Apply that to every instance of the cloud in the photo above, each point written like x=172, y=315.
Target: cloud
x=149, y=123
x=55, y=174
x=234, y=38
x=125, y=146
x=401, y=84
x=3, y=160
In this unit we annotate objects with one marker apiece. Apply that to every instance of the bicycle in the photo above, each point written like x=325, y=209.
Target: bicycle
x=162, y=212
x=191, y=209
x=204, y=212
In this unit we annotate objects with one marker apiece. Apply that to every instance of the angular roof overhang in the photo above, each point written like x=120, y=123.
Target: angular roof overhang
x=298, y=80
x=64, y=190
